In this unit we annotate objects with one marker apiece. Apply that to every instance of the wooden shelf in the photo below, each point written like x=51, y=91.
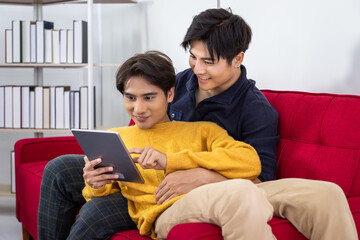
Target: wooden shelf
x=107, y=64
x=44, y=65
x=44, y=2
x=34, y=130
x=5, y=190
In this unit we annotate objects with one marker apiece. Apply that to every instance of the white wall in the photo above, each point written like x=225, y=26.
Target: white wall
x=298, y=45
x=303, y=45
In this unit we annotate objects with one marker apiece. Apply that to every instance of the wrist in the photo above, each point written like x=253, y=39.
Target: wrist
x=208, y=176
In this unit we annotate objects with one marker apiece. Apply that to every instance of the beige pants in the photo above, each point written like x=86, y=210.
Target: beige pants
x=317, y=209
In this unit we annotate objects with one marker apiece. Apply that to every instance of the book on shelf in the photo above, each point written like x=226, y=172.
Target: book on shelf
x=52, y=107
x=32, y=108
x=76, y=110
x=84, y=107
x=2, y=106
x=8, y=46
x=80, y=41
x=33, y=42
x=8, y=107
x=16, y=41
x=46, y=107
x=56, y=46
x=48, y=52
x=12, y=175
x=39, y=107
x=25, y=41
x=70, y=46
x=59, y=106
x=67, y=109
x=63, y=45
x=16, y=106
x=72, y=93
x=40, y=39
x=25, y=106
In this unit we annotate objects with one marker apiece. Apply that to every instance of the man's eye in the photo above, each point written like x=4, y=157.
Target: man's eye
x=130, y=98
x=149, y=97
x=208, y=62
x=192, y=56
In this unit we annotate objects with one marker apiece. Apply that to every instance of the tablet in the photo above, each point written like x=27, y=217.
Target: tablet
x=110, y=148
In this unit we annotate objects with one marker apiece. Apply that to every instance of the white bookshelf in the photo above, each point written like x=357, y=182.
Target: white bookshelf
x=37, y=9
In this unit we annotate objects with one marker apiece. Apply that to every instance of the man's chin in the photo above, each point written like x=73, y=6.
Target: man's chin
x=142, y=125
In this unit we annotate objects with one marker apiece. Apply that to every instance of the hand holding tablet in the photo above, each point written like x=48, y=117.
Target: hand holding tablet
x=110, y=148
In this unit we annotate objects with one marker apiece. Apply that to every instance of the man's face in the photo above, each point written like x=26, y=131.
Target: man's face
x=214, y=76
x=146, y=103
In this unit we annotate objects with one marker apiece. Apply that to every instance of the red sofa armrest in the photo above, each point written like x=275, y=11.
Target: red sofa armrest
x=44, y=149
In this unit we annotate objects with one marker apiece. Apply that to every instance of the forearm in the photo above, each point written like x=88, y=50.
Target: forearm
x=203, y=176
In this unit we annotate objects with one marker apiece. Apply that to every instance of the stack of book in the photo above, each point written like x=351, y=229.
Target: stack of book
x=44, y=107
x=39, y=42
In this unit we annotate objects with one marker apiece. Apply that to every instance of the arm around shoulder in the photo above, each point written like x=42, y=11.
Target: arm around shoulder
x=223, y=154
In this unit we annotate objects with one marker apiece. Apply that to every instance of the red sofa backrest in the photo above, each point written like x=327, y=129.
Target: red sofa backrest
x=319, y=137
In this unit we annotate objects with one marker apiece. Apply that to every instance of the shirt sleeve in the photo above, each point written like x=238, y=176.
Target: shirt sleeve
x=231, y=158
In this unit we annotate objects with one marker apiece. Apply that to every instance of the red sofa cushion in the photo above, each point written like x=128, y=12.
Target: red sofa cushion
x=319, y=137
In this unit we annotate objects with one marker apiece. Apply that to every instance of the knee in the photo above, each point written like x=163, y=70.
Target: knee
x=321, y=197
x=243, y=191
x=62, y=165
x=328, y=194
x=244, y=198
x=90, y=214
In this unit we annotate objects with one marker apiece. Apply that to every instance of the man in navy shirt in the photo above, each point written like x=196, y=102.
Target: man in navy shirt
x=217, y=89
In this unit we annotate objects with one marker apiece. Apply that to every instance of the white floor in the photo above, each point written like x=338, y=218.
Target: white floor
x=10, y=228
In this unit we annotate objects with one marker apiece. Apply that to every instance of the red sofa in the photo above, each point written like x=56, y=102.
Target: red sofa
x=319, y=139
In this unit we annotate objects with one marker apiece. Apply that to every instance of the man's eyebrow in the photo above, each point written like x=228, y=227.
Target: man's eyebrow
x=204, y=58
x=145, y=94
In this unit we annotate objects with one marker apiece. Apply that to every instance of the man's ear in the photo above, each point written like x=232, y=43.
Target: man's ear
x=170, y=95
x=238, y=59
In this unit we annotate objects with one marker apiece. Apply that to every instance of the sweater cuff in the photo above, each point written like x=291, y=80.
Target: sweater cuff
x=90, y=192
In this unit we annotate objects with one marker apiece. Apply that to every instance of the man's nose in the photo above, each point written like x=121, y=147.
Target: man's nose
x=139, y=107
x=199, y=68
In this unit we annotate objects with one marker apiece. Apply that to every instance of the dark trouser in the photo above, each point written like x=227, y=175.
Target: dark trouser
x=60, y=198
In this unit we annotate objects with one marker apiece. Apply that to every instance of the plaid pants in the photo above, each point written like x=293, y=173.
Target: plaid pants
x=60, y=198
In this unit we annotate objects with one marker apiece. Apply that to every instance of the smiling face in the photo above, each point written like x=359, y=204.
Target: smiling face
x=146, y=103
x=214, y=76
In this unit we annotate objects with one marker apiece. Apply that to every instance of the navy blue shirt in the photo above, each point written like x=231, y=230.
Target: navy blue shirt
x=241, y=109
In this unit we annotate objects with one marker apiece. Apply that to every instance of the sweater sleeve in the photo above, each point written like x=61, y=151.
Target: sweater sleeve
x=231, y=158
x=90, y=193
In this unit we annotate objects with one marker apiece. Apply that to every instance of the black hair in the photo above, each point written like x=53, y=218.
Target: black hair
x=156, y=67
x=225, y=34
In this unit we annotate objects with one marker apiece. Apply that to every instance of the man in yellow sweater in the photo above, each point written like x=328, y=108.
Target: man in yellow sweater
x=162, y=147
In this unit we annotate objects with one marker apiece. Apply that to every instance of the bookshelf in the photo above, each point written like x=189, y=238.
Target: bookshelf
x=37, y=7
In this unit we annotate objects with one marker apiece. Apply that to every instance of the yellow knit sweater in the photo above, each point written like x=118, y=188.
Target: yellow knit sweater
x=186, y=145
